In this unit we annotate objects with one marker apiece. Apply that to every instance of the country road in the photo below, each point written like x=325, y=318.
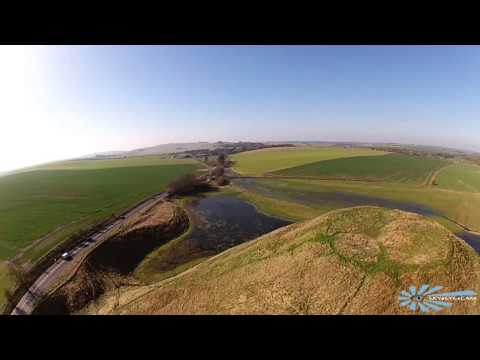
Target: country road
x=61, y=267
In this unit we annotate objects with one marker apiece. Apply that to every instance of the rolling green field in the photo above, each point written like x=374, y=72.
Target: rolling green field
x=390, y=167
x=34, y=203
x=461, y=177
x=258, y=162
x=52, y=201
x=109, y=163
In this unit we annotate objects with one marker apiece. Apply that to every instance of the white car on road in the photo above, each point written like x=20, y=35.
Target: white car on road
x=66, y=256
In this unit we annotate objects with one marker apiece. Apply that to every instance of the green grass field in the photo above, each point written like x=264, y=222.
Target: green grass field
x=258, y=162
x=108, y=163
x=461, y=177
x=390, y=167
x=35, y=203
x=55, y=200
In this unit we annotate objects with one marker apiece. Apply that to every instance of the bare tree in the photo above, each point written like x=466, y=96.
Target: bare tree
x=219, y=171
x=221, y=159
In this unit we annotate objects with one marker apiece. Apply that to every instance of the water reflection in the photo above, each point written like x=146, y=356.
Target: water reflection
x=221, y=222
x=218, y=223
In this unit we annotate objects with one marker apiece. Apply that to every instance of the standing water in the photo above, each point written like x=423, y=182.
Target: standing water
x=339, y=200
x=221, y=222
x=218, y=223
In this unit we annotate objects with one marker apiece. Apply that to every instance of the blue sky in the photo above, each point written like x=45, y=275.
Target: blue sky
x=66, y=101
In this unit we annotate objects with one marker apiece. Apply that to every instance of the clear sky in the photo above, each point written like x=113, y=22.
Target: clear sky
x=59, y=102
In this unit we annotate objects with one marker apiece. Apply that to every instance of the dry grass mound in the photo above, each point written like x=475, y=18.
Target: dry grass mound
x=139, y=236
x=349, y=261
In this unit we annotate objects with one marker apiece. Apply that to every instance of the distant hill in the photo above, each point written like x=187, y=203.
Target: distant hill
x=161, y=149
x=172, y=148
x=106, y=154
x=350, y=261
x=427, y=148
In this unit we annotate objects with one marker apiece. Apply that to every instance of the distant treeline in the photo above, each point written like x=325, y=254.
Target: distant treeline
x=473, y=158
x=418, y=152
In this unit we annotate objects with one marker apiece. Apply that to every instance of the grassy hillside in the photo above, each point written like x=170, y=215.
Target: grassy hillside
x=461, y=177
x=109, y=163
x=391, y=167
x=350, y=261
x=258, y=162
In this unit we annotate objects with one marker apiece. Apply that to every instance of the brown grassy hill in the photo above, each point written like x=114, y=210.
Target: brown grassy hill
x=349, y=261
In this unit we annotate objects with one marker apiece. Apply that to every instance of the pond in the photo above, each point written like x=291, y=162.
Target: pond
x=218, y=223
x=221, y=222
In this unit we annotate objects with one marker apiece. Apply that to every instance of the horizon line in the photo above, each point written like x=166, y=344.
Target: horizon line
x=83, y=157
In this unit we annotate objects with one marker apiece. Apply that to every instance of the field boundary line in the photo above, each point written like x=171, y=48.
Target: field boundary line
x=286, y=177
x=430, y=180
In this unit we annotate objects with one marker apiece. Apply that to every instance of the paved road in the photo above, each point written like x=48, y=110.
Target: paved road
x=27, y=303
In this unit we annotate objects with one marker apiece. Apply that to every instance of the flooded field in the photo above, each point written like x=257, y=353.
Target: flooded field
x=472, y=239
x=346, y=199
x=332, y=199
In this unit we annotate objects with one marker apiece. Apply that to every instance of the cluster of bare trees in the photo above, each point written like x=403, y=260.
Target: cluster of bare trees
x=474, y=158
x=190, y=183
x=219, y=170
x=419, y=152
x=186, y=184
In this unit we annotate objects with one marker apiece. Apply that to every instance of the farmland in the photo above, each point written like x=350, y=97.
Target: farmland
x=337, y=179
x=107, y=163
x=390, y=168
x=258, y=162
x=43, y=206
x=460, y=177
x=75, y=194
